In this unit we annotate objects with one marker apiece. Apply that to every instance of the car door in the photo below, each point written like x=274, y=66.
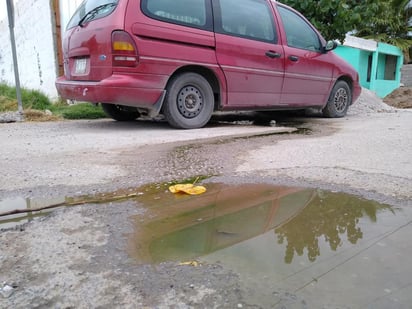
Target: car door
x=308, y=70
x=248, y=52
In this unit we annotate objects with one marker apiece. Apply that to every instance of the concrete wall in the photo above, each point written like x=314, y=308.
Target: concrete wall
x=406, y=77
x=36, y=49
x=36, y=43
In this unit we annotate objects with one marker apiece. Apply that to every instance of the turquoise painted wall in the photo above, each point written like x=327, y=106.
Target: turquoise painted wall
x=378, y=70
x=364, y=71
x=358, y=59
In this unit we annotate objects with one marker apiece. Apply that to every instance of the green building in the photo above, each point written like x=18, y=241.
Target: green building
x=378, y=64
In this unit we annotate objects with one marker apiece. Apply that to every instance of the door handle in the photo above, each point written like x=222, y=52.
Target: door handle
x=272, y=54
x=293, y=58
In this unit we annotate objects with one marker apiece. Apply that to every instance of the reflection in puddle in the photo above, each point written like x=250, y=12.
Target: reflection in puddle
x=182, y=228
x=27, y=207
x=333, y=217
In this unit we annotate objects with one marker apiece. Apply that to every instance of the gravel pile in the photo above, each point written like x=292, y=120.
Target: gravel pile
x=11, y=117
x=368, y=103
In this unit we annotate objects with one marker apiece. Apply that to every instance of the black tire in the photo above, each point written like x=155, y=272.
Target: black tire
x=189, y=101
x=339, y=101
x=120, y=112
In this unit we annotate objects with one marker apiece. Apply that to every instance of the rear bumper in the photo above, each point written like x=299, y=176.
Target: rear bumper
x=131, y=90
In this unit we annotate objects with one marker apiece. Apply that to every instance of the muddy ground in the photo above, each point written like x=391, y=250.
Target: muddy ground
x=91, y=255
x=400, y=98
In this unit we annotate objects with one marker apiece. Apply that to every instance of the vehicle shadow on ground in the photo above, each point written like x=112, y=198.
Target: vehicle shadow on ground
x=219, y=119
x=270, y=118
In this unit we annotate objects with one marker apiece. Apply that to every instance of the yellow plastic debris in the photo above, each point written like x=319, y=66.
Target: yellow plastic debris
x=190, y=263
x=187, y=188
x=180, y=187
x=196, y=190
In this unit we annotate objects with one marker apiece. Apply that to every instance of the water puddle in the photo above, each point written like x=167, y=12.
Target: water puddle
x=23, y=210
x=290, y=247
x=299, y=222
x=15, y=212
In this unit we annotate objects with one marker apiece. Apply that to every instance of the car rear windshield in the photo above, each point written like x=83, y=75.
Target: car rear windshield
x=90, y=10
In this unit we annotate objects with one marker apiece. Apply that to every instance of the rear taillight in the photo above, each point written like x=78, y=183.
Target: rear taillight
x=124, y=50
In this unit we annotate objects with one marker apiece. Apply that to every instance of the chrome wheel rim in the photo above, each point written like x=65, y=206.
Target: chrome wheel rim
x=341, y=100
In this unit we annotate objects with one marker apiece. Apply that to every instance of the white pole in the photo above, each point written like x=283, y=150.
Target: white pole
x=10, y=14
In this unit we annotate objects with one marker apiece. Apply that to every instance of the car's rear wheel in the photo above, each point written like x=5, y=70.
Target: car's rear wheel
x=339, y=100
x=120, y=112
x=189, y=101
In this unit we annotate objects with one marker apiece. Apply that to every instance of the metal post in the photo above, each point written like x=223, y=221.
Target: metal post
x=10, y=14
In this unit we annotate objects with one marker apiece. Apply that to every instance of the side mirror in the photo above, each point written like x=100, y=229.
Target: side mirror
x=330, y=45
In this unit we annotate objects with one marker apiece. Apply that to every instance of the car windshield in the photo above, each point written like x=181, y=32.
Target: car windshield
x=92, y=9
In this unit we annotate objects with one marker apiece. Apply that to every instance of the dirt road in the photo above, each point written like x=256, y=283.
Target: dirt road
x=85, y=256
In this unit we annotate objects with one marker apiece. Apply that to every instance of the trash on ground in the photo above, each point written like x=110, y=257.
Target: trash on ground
x=6, y=291
x=190, y=263
x=187, y=188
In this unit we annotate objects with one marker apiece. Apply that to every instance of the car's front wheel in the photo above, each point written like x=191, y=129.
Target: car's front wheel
x=339, y=101
x=120, y=112
x=189, y=101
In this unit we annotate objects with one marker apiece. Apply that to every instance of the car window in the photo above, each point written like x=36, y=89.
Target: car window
x=299, y=33
x=250, y=19
x=191, y=13
x=100, y=8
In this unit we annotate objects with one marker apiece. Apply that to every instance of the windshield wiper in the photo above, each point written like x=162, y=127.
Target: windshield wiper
x=92, y=13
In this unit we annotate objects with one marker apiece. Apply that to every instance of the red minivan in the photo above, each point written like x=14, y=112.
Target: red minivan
x=186, y=59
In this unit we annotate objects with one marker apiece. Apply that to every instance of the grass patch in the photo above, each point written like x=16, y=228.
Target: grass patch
x=31, y=99
x=38, y=107
x=7, y=104
x=79, y=111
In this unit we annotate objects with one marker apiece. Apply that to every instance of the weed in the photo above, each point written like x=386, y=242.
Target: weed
x=35, y=104
x=80, y=111
x=32, y=99
x=7, y=104
x=36, y=115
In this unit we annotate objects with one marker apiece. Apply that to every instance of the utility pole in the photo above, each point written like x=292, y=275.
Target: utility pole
x=10, y=14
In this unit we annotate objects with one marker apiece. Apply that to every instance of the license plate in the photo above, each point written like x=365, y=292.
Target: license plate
x=80, y=66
